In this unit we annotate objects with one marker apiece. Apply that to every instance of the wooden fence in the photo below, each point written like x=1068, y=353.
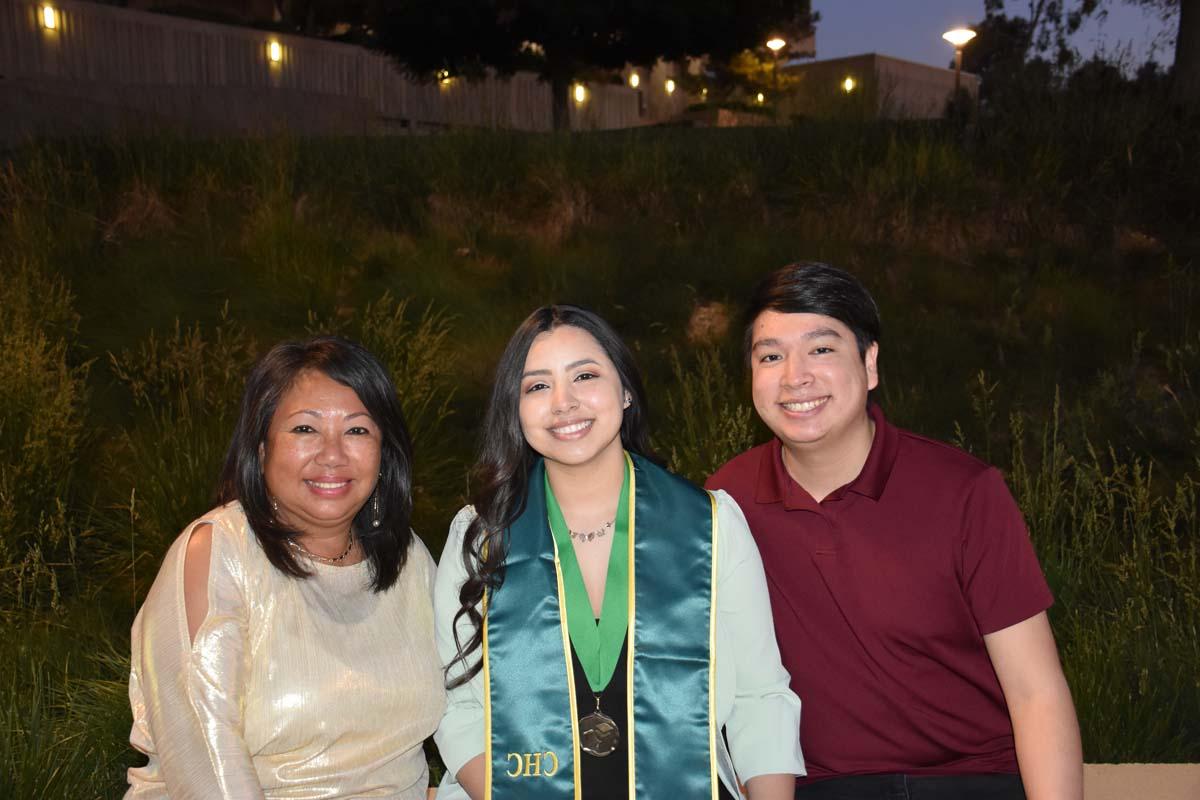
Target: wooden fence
x=88, y=66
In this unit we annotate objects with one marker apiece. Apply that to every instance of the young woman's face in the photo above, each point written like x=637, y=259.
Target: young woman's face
x=322, y=454
x=572, y=400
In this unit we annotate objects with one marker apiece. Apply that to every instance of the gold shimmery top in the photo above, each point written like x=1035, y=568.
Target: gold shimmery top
x=313, y=688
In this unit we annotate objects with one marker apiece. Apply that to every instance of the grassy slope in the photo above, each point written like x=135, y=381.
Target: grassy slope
x=1037, y=286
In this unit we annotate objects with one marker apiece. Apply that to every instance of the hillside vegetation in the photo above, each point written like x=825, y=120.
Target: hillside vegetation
x=1037, y=280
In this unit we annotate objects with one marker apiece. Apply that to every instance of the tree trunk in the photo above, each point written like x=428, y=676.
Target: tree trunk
x=1185, y=84
x=560, y=87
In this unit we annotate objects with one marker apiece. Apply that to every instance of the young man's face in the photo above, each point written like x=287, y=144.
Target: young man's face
x=810, y=383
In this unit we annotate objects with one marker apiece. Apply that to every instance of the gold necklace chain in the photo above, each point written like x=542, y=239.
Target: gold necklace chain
x=334, y=561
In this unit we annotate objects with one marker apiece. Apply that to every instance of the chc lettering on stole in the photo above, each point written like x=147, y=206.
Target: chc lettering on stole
x=532, y=765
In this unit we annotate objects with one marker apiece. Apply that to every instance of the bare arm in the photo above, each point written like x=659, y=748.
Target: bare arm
x=771, y=787
x=195, y=577
x=471, y=777
x=1049, y=751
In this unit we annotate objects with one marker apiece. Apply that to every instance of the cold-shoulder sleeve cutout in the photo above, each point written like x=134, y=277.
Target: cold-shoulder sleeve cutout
x=195, y=577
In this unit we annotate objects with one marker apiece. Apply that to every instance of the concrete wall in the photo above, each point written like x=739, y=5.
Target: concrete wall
x=884, y=87
x=105, y=68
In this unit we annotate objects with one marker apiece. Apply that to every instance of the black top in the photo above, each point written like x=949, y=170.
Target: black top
x=607, y=777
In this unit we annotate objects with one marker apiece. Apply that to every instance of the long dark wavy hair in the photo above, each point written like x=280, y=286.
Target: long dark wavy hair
x=500, y=477
x=385, y=547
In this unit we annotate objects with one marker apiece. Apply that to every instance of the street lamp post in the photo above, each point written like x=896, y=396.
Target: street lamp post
x=959, y=38
x=775, y=44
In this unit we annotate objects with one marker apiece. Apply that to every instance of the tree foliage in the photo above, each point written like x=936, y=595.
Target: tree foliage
x=565, y=40
x=1049, y=24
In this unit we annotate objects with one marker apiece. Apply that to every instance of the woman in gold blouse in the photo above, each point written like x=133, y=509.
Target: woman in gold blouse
x=286, y=648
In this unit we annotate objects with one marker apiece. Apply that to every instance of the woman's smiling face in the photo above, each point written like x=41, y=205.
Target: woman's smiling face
x=572, y=401
x=322, y=454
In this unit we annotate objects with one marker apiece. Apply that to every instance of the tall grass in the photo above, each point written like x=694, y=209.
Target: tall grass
x=1036, y=278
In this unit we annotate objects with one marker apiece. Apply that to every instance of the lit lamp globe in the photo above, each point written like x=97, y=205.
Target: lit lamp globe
x=959, y=36
x=776, y=44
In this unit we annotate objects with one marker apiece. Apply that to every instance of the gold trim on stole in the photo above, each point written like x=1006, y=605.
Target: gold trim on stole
x=487, y=702
x=566, y=637
x=629, y=650
x=712, y=657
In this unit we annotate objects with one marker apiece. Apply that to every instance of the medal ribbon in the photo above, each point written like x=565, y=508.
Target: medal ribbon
x=530, y=717
x=598, y=644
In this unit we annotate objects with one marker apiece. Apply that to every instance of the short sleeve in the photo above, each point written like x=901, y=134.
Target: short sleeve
x=763, y=728
x=460, y=734
x=187, y=695
x=1002, y=579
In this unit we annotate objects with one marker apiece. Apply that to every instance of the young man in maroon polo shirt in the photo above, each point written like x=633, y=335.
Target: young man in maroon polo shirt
x=909, y=605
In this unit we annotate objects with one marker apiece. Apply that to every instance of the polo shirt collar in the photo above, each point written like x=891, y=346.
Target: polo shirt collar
x=775, y=485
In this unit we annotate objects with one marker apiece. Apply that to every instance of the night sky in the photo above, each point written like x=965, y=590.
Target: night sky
x=912, y=29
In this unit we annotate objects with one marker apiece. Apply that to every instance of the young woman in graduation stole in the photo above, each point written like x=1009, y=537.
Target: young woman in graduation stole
x=603, y=621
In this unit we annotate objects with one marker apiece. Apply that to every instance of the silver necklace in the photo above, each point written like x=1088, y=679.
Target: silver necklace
x=587, y=536
x=334, y=561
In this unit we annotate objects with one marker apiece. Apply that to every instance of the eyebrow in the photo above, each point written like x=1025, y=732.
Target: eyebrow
x=314, y=413
x=816, y=333
x=570, y=366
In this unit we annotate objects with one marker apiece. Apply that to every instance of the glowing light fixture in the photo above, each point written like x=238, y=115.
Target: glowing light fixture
x=275, y=52
x=849, y=85
x=443, y=77
x=670, y=86
x=580, y=93
x=49, y=18
x=704, y=92
x=634, y=80
x=959, y=36
x=760, y=98
x=776, y=44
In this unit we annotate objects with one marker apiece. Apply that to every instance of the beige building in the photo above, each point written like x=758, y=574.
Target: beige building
x=871, y=86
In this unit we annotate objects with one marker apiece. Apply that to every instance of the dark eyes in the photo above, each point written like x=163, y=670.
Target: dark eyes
x=357, y=430
x=583, y=376
x=770, y=357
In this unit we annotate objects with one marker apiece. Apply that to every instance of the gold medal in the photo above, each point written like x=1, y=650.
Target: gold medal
x=598, y=733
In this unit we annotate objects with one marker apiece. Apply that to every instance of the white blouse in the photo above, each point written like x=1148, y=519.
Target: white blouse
x=755, y=706
x=293, y=688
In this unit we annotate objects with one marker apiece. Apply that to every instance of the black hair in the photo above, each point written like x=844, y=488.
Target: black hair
x=385, y=546
x=500, y=477
x=811, y=287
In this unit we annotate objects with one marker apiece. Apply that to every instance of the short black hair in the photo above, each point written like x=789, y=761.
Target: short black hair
x=385, y=547
x=812, y=287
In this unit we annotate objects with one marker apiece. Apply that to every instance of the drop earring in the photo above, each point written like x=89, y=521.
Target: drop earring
x=376, y=519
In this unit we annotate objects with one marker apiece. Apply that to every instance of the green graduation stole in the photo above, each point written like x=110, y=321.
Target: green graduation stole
x=530, y=715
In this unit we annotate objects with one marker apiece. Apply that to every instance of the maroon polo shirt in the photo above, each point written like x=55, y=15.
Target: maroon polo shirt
x=882, y=594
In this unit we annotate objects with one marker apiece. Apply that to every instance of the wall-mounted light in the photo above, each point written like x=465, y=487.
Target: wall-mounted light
x=760, y=98
x=704, y=93
x=634, y=80
x=274, y=52
x=580, y=93
x=849, y=84
x=443, y=77
x=670, y=86
x=49, y=18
